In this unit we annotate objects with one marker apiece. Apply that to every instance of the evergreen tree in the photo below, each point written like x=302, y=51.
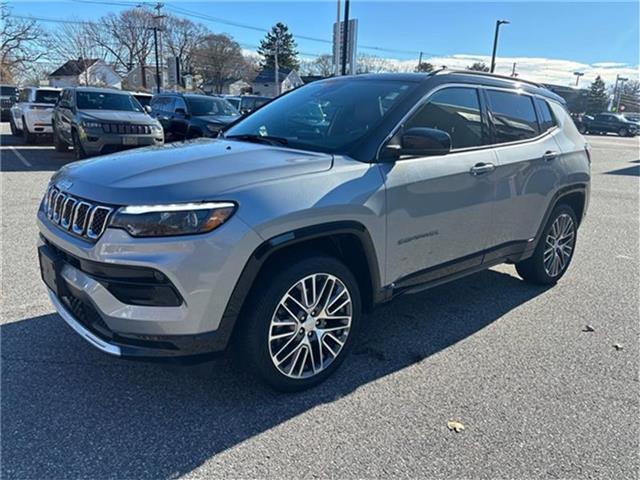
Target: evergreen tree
x=479, y=67
x=597, y=99
x=287, y=53
x=424, y=67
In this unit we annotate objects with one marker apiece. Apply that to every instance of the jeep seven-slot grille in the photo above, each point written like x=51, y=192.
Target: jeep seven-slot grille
x=126, y=128
x=82, y=218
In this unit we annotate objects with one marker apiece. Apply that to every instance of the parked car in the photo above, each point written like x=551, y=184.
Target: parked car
x=280, y=234
x=608, y=123
x=8, y=95
x=31, y=115
x=144, y=99
x=96, y=121
x=185, y=116
x=632, y=117
x=248, y=103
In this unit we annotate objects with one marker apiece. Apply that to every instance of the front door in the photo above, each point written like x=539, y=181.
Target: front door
x=439, y=208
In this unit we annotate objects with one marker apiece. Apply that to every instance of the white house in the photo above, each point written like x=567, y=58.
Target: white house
x=85, y=71
x=265, y=81
x=133, y=79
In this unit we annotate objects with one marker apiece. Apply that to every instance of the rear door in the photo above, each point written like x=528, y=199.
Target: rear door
x=439, y=208
x=179, y=119
x=528, y=172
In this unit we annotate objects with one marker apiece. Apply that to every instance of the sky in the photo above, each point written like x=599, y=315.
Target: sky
x=547, y=40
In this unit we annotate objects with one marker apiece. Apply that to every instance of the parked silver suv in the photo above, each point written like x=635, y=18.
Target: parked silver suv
x=96, y=121
x=332, y=199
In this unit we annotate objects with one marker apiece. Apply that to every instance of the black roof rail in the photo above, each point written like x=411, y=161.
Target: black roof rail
x=490, y=75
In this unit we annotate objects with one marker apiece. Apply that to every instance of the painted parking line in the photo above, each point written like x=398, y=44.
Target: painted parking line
x=21, y=157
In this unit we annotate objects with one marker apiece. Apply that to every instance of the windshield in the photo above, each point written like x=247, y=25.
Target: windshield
x=47, y=96
x=144, y=99
x=107, y=101
x=204, y=106
x=7, y=91
x=325, y=116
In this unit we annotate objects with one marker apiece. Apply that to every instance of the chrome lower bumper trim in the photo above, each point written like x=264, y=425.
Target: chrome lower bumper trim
x=80, y=330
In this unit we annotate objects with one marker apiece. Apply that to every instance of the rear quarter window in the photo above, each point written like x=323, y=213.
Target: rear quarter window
x=547, y=119
x=513, y=116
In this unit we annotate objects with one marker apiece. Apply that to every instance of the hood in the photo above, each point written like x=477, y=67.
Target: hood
x=220, y=119
x=204, y=169
x=116, y=116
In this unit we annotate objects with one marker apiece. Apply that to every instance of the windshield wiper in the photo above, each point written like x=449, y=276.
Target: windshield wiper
x=250, y=137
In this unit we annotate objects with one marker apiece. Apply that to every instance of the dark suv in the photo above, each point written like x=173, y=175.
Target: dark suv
x=608, y=123
x=185, y=116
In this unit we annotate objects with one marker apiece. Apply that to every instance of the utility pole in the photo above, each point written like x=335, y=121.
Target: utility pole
x=157, y=28
x=345, y=37
x=420, y=61
x=495, y=43
x=578, y=75
x=513, y=70
x=276, y=65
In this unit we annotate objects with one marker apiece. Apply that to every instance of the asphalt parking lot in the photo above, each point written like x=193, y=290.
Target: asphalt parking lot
x=538, y=395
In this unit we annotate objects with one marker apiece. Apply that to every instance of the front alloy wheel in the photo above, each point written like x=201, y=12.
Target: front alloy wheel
x=303, y=318
x=310, y=325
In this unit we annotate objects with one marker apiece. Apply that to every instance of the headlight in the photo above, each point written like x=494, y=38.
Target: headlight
x=89, y=124
x=178, y=219
x=157, y=127
x=213, y=128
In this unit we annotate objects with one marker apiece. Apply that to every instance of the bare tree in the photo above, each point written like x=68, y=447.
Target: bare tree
x=323, y=65
x=20, y=44
x=219, y=60
x=75, y=41
x=181, y=38
x=373, y=64
x=127, y=37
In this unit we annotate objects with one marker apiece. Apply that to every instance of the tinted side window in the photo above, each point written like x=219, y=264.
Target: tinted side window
x=24, y=95
x=547, y=120
x=455, y=111
x=179, y=103
x=514, y=117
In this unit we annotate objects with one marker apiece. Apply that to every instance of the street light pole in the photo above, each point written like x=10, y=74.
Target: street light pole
x=345, y=39
x=578, y=75
x=495, y=43
x=621, y=80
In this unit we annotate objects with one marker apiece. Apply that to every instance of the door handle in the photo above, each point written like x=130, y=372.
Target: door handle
x=550, y=155
x=480, y=168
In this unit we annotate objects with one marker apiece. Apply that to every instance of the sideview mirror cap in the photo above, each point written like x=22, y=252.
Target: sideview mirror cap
x=422, y=142
x=147, y=108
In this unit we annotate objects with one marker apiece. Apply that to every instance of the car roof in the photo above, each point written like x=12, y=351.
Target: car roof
x=101, y=90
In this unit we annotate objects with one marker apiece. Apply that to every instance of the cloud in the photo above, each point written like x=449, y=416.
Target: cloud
x=537, y=69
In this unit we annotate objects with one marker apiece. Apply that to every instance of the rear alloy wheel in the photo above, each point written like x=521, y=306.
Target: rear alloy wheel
x=554, y=251
x=302, y=323
x=623, y=132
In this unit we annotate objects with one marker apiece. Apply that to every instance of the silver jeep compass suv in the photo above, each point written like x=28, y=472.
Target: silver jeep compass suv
x=336, y=197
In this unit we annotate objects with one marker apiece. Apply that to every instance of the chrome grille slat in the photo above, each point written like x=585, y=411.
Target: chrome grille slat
x=77, y=216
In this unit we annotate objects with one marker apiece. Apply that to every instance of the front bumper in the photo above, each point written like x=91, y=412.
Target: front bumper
x=203, y=269
x=99, y=143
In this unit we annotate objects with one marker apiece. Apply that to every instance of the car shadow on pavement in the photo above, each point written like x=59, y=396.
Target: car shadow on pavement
x=632, y=171
x=69, y=411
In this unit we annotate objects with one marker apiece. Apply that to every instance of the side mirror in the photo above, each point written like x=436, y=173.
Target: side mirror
x=147, y=108
x=424, y=142
x=244, y=111
x=181, y=111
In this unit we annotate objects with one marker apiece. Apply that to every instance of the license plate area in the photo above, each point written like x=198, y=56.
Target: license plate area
x=50, y=267
x=129, y=141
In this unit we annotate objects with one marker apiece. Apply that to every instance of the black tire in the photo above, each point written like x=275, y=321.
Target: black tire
x=533, y=269
x=253, y=345
x=27, y=136
x=623, y=132
x=14, y=130
x=59, y=144
x=77, y=146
